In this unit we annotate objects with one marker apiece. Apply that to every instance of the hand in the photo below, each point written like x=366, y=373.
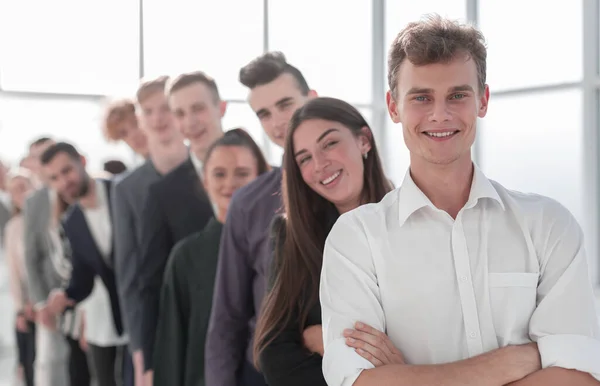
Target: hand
x=46, y=318
x=58, y=301
x=138, y=366
x=313, y=339
x=148, y=377
x=83, y=342
x=22, y=324
x=373, y=345
x=29, y=312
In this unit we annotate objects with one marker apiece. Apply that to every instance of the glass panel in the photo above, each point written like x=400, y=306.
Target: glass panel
x=241, y=115
x=399, y=13
x=542, y=44
x=329, y=41
x=526, y=149
x=67, y=46
x=396, y=152
x=23, y=119
x=217, y=37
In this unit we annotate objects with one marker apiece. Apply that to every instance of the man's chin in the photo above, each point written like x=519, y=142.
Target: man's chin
x=279, y=142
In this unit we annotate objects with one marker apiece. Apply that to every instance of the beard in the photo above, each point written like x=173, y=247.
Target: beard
x=85, y=186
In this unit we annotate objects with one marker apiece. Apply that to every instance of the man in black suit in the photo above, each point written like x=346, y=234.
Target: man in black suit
x=87, y=226
x=177, y=205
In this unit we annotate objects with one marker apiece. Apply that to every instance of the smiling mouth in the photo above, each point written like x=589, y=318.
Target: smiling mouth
x=440, y=134
x=331, y=178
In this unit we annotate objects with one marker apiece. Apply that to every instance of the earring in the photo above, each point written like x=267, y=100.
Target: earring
x=365, y=155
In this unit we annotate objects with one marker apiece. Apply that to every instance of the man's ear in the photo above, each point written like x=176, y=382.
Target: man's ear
x=223, y=108
x=392, y=107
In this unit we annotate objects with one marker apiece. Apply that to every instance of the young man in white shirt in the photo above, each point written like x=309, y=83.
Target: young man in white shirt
x=474, y=284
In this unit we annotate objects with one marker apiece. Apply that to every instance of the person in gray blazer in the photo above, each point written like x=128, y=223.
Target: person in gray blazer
x=166, y=151
x=46, y=269
x=5, y=205
x=5, y=214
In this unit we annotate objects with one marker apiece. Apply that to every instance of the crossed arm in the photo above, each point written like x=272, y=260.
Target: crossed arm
x=565, y=346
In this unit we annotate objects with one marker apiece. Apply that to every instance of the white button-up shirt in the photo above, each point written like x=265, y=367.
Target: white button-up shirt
x=509, y=270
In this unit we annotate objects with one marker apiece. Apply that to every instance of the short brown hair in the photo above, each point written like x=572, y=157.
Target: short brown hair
x=436, y=40
x=189, y=78
x=268, y=67
x=150, y=87
x=117, y=112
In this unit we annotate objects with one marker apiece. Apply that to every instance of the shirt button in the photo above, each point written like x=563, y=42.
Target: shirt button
x=463, y=278
x=472, y=334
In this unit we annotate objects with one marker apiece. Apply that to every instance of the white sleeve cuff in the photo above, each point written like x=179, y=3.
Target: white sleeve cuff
x=574, y=352
x=342, y=365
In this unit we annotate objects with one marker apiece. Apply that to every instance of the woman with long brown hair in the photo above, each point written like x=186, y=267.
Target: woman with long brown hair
x=331, y=166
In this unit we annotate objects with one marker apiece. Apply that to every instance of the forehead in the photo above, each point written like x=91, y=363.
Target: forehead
x=195, y=92
x=266, y=95
x=60, y=160
x=310, y=131
x=230, y=156
x=438, y=76
x=155, y=99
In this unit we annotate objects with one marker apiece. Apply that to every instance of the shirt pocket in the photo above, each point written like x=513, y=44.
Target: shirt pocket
x=512, y=300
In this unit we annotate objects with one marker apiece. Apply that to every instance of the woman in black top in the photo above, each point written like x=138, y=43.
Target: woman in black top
x=331, y=166
x=186, y=299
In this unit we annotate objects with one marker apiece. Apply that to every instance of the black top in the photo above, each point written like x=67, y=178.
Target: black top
x=185, y=305
x=176, y=207
x=286, y=361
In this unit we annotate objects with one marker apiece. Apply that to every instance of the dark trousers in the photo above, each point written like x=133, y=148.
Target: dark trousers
x=79, y=372
x=249, y=376
x=26, y=347
x=112, y=366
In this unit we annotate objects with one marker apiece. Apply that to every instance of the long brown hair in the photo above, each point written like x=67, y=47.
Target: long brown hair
x=309, y=218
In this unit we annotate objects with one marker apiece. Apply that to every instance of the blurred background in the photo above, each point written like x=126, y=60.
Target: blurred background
x=61, y=59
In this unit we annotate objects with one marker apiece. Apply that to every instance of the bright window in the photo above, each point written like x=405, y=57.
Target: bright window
x=69, y=46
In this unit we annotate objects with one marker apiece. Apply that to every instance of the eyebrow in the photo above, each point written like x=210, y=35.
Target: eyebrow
x=420, y=90
x=278, y=103
x=318, y=140
x=283, y=100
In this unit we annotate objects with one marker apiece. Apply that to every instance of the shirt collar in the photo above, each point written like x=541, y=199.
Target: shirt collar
x=100, y=193
x=411, y=198
x=197, y=163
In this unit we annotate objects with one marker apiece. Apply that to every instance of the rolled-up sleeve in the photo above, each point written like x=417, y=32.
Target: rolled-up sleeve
x=565, y=323
x=349, y=293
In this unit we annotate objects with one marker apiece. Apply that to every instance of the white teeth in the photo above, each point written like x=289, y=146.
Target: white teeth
x=441, y=134
x=330, y=179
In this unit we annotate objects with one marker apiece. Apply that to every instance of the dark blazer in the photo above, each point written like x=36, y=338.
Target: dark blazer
x=129, y=193
x=88, y=262
x=176, y=207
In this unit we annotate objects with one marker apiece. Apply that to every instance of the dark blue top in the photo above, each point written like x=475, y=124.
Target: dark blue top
x=244, y=263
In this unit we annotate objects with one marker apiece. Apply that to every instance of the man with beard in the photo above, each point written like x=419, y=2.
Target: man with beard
x=88, y=227
x=48, y=266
